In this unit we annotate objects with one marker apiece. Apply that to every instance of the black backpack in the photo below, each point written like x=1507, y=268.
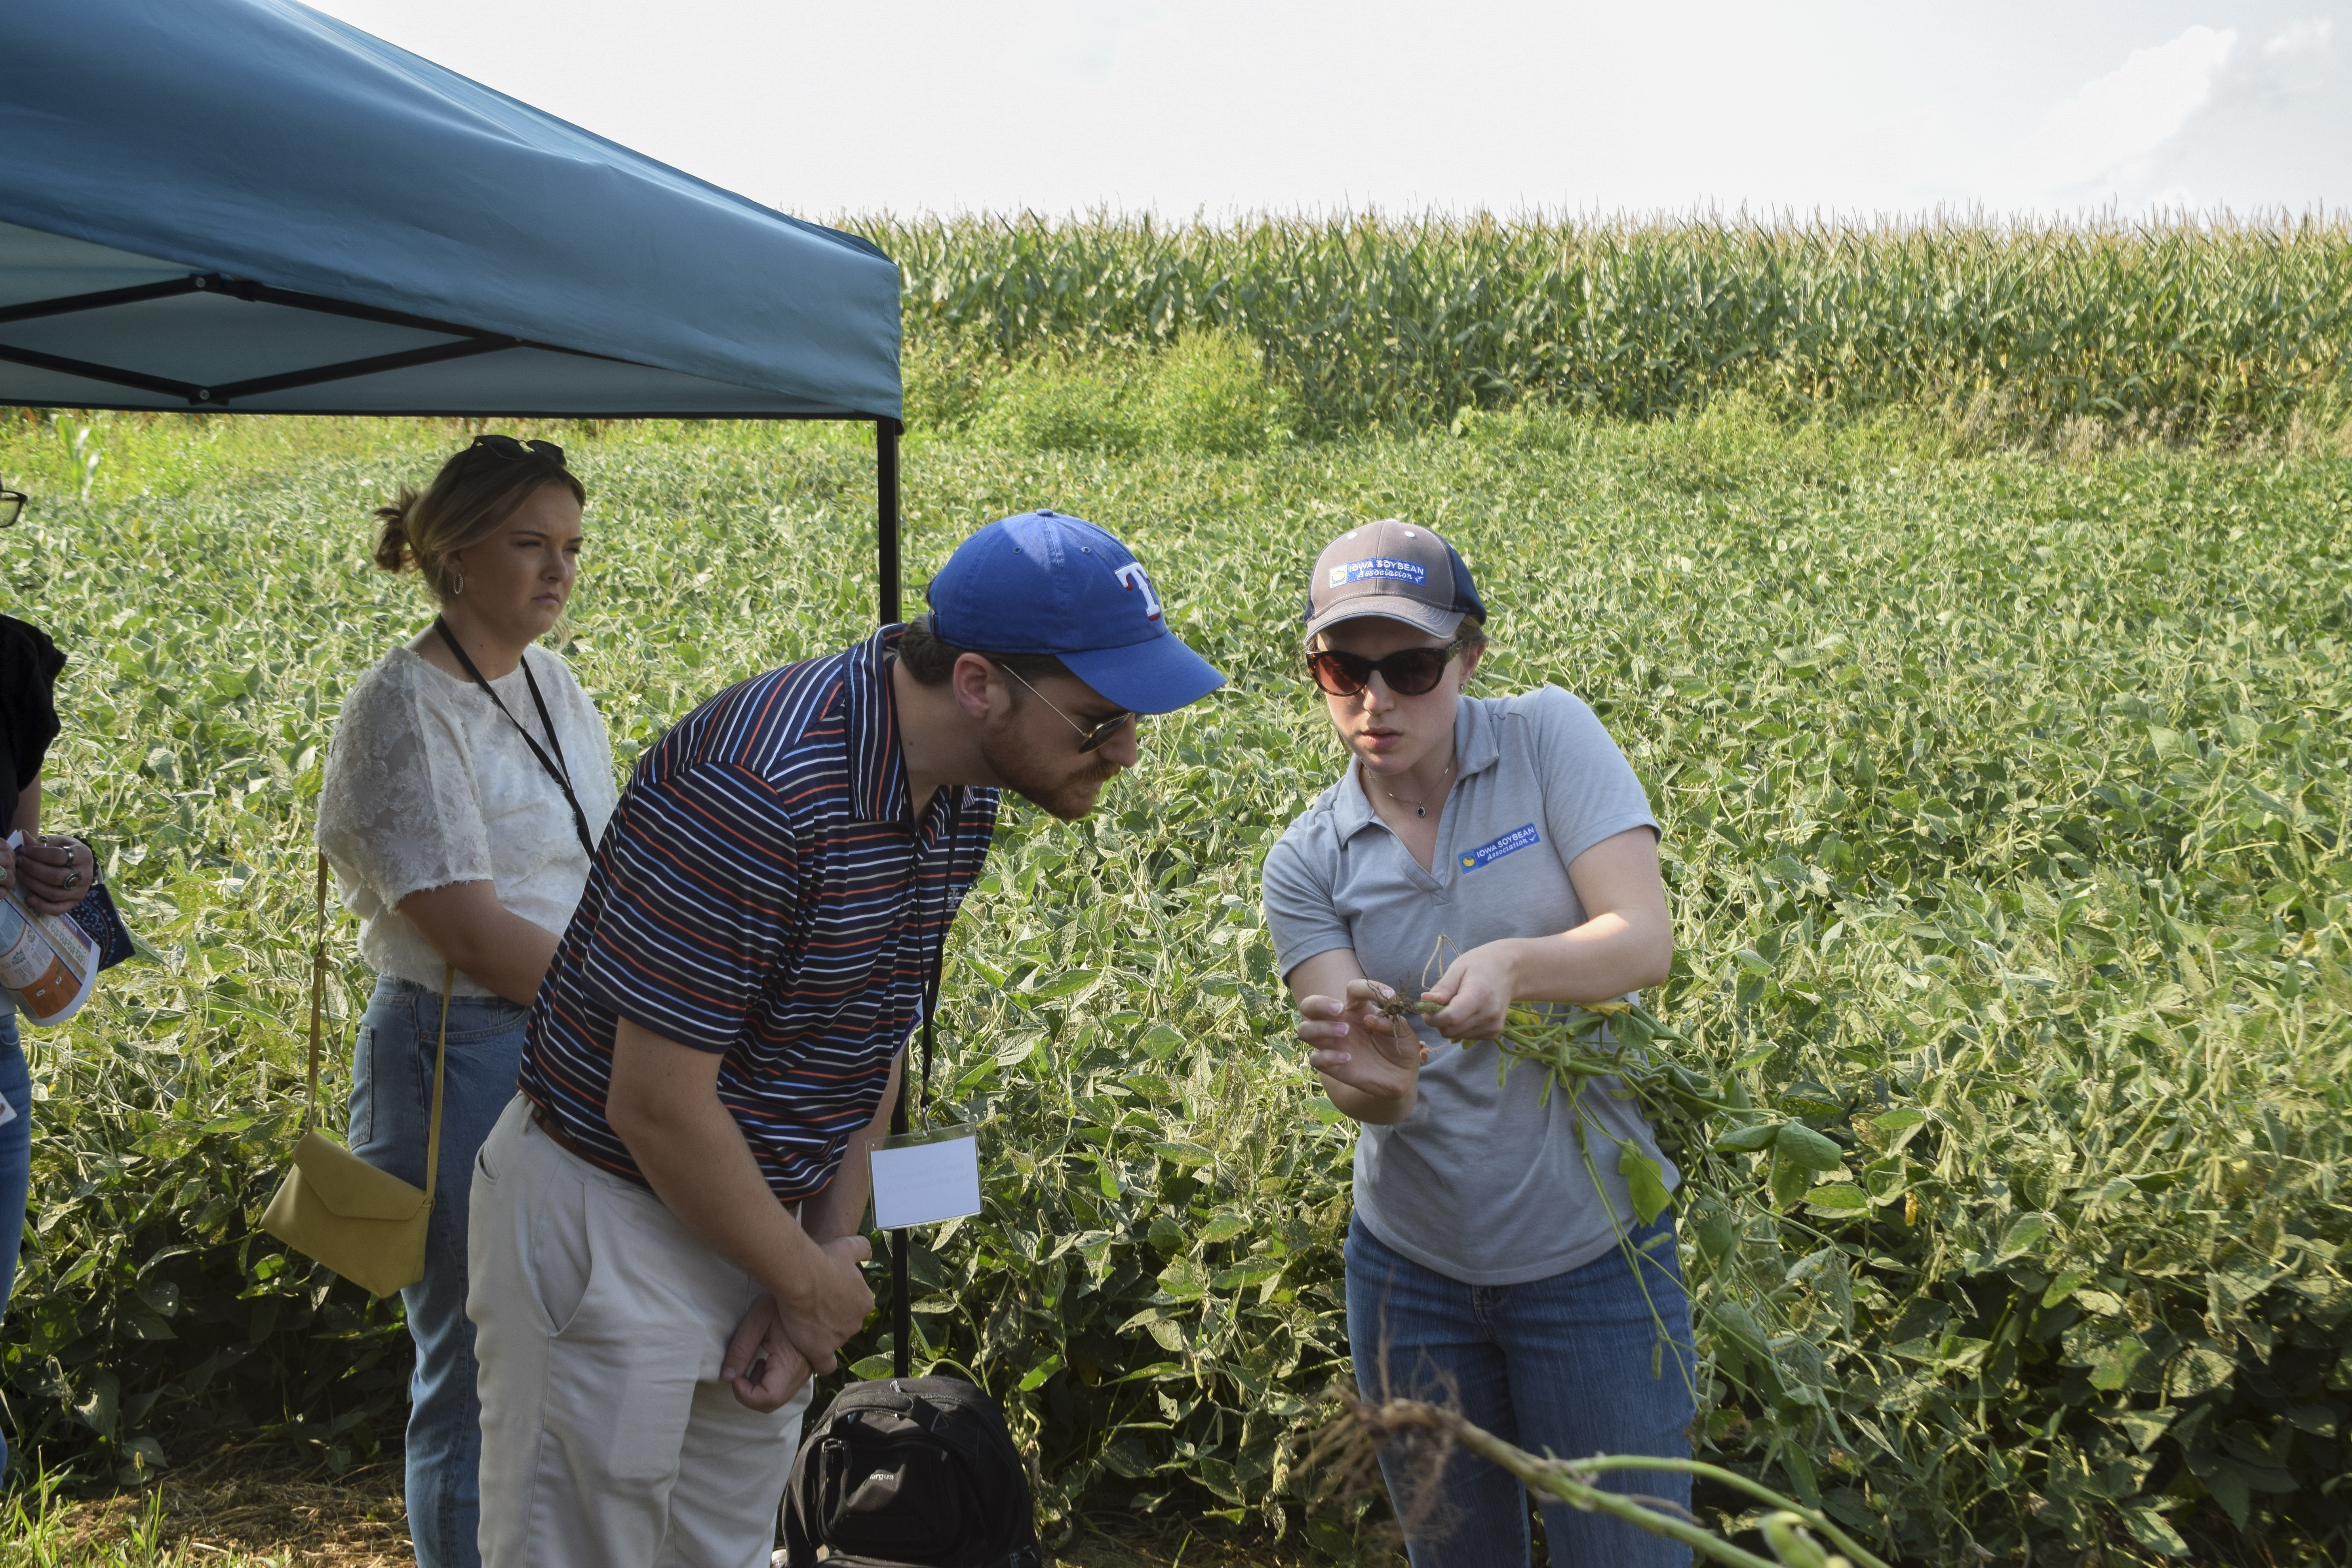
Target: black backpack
x=910, y=1471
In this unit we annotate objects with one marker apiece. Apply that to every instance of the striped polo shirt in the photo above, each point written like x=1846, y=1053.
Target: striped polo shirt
x=760, y=894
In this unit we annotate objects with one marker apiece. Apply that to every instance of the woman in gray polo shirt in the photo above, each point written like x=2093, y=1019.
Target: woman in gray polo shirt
x=1483, y=1263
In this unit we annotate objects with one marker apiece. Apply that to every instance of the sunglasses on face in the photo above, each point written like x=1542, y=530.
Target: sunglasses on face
x=1089, y=738
x=508, y=447
x=1409, y=671
x=12, y=507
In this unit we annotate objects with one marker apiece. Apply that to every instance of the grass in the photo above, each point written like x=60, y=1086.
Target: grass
x=2002, y=796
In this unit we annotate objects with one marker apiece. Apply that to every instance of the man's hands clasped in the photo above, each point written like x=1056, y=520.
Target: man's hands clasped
x=787, y=1343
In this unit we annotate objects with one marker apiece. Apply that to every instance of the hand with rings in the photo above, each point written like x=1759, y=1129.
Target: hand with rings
x=51, y=873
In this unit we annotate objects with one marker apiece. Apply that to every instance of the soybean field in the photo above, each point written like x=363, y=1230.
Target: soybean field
x=2003, y=792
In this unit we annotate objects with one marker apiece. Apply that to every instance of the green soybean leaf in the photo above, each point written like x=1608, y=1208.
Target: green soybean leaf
x=2112, y=1363
x=2149, y=1528
x=1790, y=1181
x=1645, y=1182
x=1717, y=1231
x=1183, y=1279
x=1749, y=1139
x=1800, y=1145
x=1838, y=1198
x=2025, y=1232
x=1061, y=986
x=2063, y=1286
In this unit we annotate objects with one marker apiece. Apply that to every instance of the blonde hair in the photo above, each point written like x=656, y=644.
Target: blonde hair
x=469, y=499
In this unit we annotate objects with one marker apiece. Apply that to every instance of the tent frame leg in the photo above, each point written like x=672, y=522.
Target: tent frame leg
x=886, y=536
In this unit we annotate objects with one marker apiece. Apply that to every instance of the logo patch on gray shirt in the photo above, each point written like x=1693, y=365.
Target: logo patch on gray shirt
x=1493, y=849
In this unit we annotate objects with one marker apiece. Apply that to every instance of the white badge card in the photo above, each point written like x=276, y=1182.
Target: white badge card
x=922, y=1178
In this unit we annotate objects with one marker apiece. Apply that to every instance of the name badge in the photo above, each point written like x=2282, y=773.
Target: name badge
x=922, y=1178
x=1510, y=843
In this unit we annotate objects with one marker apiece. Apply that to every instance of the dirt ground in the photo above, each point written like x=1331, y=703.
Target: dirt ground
x=266, y=1500
x=257, y=1499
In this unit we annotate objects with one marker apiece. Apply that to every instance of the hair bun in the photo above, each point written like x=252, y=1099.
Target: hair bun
x=394, y=549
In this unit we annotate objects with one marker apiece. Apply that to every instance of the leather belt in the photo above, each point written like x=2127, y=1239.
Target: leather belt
x=555, y=1135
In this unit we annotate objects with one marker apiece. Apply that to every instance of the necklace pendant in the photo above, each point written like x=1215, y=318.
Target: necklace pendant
x=1420, y=811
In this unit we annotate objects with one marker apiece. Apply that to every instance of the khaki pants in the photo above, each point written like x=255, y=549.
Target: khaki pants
x=607, y=1439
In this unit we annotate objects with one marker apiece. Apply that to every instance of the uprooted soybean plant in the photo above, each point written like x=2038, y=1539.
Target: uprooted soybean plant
x=2003, y=795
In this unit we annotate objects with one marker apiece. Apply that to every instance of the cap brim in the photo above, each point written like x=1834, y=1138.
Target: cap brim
x=1158, y=675
x=1437, y=623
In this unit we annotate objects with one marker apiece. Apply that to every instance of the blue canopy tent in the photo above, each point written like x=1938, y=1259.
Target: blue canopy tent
x=245, y=206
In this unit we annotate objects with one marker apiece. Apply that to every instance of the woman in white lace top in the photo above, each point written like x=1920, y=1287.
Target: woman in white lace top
x=468, y=779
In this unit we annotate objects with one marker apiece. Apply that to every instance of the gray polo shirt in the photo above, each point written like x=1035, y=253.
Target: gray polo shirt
x=1481, y=1183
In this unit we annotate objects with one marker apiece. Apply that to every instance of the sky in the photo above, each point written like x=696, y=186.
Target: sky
x=2055, y=110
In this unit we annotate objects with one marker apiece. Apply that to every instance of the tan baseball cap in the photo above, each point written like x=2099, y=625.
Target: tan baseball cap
x=1391, y=568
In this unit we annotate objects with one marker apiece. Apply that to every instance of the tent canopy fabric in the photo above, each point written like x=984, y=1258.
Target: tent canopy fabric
x=244, y=205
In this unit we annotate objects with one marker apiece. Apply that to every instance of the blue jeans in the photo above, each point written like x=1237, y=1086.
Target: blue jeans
x=15, y=1164
x=1563, y=1364
x=392, y=1107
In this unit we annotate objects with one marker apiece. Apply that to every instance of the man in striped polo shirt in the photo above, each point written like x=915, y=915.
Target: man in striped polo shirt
x=665, y=1238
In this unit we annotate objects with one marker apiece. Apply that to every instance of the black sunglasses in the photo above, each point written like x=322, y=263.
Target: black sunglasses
x=12, y=507
x=1409, y=671
x=508, y=447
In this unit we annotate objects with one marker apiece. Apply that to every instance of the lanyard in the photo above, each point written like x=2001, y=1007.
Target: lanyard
x=555, y=766
x=939, y=961
x=901, y=1319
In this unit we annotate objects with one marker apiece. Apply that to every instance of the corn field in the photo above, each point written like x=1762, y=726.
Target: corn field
x=2178, y=332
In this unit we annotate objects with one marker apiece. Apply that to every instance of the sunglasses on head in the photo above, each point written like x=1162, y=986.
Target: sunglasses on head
x=508, y=447
x=1409, y=671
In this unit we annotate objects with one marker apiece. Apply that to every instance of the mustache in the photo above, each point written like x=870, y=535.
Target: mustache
x=1063, y=802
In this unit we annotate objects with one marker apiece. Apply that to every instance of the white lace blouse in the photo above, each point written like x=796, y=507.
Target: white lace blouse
x=427, y=783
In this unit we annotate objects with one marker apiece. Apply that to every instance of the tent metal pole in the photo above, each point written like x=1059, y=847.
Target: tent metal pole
x=886, y=485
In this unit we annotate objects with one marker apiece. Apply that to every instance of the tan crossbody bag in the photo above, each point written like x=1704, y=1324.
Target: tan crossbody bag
x=366, y=1225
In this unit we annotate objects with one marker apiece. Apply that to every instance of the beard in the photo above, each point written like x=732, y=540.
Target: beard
x=1063, y=790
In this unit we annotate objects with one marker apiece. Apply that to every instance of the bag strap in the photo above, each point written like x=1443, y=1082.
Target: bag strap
x=440, y=1061
x=318, y=992
x=902, y=1319
x=557, y=769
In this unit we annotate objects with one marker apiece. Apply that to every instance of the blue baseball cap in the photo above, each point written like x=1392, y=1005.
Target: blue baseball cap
x=1043, y=583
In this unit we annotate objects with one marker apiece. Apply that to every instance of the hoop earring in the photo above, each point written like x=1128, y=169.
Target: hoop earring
x=460, y=588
